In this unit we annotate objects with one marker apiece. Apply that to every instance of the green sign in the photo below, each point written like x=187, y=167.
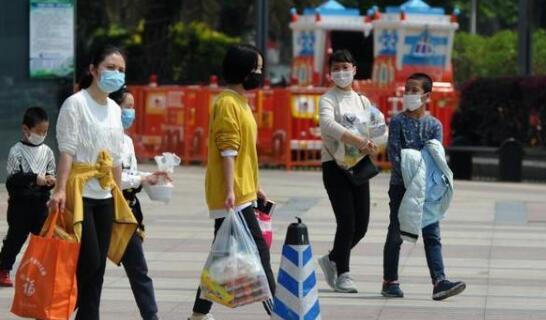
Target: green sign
x=51, y=38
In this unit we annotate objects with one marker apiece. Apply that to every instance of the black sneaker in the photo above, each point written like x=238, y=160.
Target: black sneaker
x=392, y=290
x=445, y=289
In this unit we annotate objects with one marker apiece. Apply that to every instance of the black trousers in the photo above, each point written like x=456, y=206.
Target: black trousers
x=136, y=268
x=351, y=205
x=24, y=216
x=204, y=306
x=97, y=223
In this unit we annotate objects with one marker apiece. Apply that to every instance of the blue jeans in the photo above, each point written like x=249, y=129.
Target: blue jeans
x=142, y=286
x=391, y=251
x=136, y=267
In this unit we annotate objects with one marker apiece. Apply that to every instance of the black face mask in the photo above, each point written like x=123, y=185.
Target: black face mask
x=253, y=81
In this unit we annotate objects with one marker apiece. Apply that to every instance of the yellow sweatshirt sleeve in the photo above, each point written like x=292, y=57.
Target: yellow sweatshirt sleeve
x=225, y=125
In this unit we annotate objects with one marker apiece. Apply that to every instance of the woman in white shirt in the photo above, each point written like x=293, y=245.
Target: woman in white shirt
x=132, y=180
x=341, y=111
x=89, y=125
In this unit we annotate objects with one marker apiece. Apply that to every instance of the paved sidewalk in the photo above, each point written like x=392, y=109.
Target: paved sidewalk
x=494, y=238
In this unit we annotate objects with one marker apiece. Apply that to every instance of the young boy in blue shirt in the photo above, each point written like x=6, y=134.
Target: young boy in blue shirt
x=411, y=129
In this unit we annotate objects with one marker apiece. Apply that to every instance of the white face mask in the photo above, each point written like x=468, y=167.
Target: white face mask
x=343, y=79
x=36, y=139
x=412, y=102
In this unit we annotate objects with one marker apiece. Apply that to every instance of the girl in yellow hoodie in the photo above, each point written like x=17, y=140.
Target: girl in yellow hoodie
x=232, y=173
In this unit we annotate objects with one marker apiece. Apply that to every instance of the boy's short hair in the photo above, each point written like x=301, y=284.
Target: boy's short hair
x=342, y=55
x=425, y=79
x=33, y=116
x=239, y=62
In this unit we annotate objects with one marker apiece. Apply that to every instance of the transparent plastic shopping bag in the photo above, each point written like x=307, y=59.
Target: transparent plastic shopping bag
x=372, y=127
x=163, y=190
x=167, y=161
x=233, y=274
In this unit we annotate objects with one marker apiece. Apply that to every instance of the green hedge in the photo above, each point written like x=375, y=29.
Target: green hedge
x=475, y=56
x=196, y=51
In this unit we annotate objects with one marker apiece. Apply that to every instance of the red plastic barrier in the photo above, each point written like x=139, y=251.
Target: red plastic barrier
x=172, y=130
x=265, y=111
x=282, y=129
x=136, y=132
x=295, y=140
x=444, y=102
x=305, y=141
x=176, y=119
x=159, y=123
x=198, y=103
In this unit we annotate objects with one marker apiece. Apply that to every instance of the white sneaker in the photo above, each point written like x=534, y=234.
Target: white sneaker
x=198, y=316
x=345, y=284
x=329, y=269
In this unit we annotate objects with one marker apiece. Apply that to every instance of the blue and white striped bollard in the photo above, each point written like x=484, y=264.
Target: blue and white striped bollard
x=296, y=297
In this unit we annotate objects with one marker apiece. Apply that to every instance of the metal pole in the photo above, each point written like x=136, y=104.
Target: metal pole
x=75, y=35
x=261, y=25
x=258, y=38
x=524, y=37
x=473, y=16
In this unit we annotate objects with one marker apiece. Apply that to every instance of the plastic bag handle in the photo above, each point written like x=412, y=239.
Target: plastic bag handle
x=247, y=229
x=61, y=219
x=52, y=224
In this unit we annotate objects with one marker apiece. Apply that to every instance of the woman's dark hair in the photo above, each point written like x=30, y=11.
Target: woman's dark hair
x=425, y=79
x=97, y=57
x=119, y=96
x=239, y=61
x=342, y=55
x=33, y=116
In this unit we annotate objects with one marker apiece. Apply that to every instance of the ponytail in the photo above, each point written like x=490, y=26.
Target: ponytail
x=85, y=80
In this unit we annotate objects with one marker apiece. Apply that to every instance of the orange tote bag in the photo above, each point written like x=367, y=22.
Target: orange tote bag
x=45, y=282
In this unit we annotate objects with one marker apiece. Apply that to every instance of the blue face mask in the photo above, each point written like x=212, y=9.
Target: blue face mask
x=127, y=117
x=111, y=80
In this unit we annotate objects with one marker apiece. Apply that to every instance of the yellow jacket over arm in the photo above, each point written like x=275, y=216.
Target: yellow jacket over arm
x=124, y=224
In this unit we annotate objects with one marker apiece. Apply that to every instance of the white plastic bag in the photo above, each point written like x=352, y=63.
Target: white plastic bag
x=372, y=127
x=233, y=274
x=162, y=191
x=167, y=161
x=378, y=129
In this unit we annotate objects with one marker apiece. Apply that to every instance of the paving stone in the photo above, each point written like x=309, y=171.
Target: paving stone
x=503, y=264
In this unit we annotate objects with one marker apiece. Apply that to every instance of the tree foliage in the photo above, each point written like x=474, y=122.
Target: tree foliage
x=480, y=56
x=539, y=52
x=477, y=56
x=196, y=51
x=146, y=29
